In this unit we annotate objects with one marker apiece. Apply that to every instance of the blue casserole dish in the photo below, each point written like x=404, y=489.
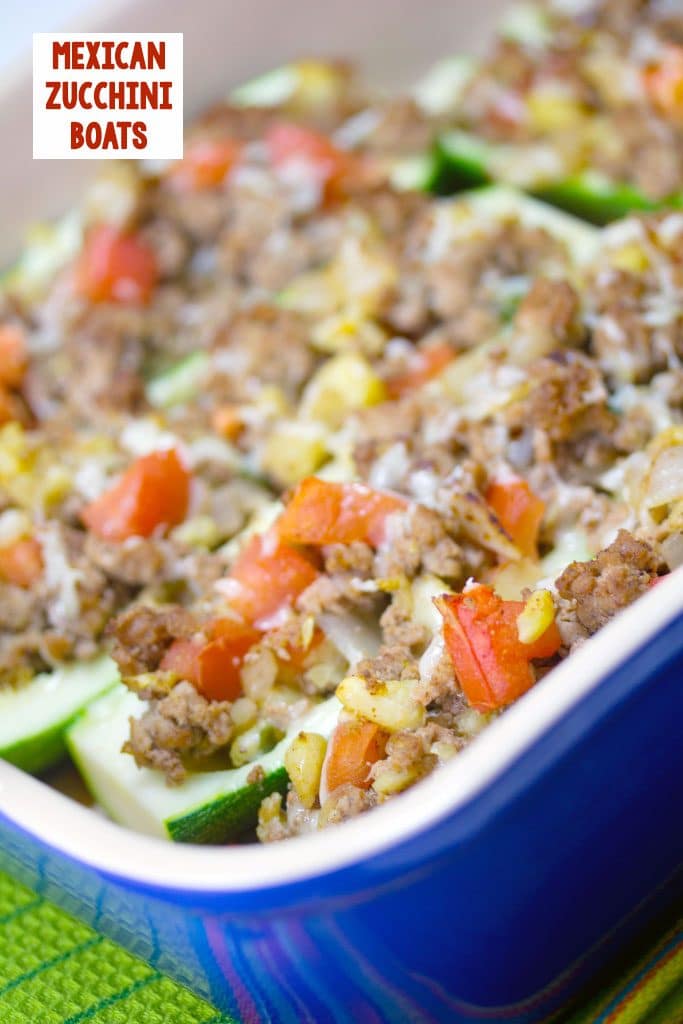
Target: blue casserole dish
x=493, y=891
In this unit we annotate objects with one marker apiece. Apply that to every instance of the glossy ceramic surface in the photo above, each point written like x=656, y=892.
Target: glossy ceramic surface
x=498, y=908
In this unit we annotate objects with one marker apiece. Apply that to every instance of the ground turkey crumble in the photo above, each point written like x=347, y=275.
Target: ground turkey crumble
x=595, y=591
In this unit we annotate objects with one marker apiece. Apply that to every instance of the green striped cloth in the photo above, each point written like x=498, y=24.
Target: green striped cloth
x=54, y=970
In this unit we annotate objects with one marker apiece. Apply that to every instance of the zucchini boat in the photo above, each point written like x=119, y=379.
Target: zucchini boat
x=463, y=161
x=310, y=85
x=180, y=383
x=34, y=717
x=498, y=202
x=209, y=807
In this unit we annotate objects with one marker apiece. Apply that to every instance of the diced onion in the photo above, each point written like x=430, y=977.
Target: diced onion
x=665, y=483
x=352, y=637
x=672, y=549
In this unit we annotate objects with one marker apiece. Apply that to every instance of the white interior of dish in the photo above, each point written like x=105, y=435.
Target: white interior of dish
x=226, y=42
x=85, y=836
x=229, y=41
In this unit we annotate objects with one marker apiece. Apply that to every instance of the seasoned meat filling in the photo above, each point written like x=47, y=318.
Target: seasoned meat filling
x=182, y=728
x=618, y=575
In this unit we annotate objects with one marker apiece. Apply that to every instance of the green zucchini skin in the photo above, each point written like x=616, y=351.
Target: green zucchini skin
x=38, y=753
x=417, y=173
x=179, y=383
x=454, y=173
x=35, y=718
x=601, y=205
x=588, y=196
x=212, y=807
x=228, y=816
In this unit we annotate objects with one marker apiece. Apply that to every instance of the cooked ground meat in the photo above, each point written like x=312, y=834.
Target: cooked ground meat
x=396, y=440
x=138, y=562
x=612, y=580
x=335, y=593
x=440, y=682
x=407, y=757
x=263, y=346
x=549, y=312
x=356, y=558
x=142, y=635
x=103, y=349
x=392, y=662
x=22, y=642
x=65, y=613
x=623, y=17
x=567, y=399
x=401, y=128
x=183, y=729
x=399, y=628
x=465, y=290
x=18, y=607
x=398, y=215
x=346, y=802
x=630, y=343
x=419, y=540
x=170, y=244
x=647, y=151
x=274, y=824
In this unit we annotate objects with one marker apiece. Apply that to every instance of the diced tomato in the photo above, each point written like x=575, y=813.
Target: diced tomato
x=545, y=646
x=267, y=576
x=321, y=512
x=116, y=266
x=519, y=511
x=13, y=355
x=205, y=165
x=21, y=563
x=353, y=749
x=227, y=421
x=507, y=114
x=213, y=667
x=153, y=493
x=182, y=658
x=295, y=657
x=219, y=670
x=238, y=633
x=492, y=665
x=321, y=161
x=664, y=83
x=423, y=365
x=11, y=407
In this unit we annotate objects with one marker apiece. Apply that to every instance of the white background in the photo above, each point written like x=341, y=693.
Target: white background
x=21, y=19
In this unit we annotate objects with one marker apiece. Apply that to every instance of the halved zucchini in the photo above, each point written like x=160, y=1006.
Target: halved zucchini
x=34, y=717
x=497, y=202
x=418, y=173
x=179, y=383
x=440, y=90
x=304, y=85
x=594, y=197
x=527, y=23
x=209, y=807
x=271, y=89
x=463, y=161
